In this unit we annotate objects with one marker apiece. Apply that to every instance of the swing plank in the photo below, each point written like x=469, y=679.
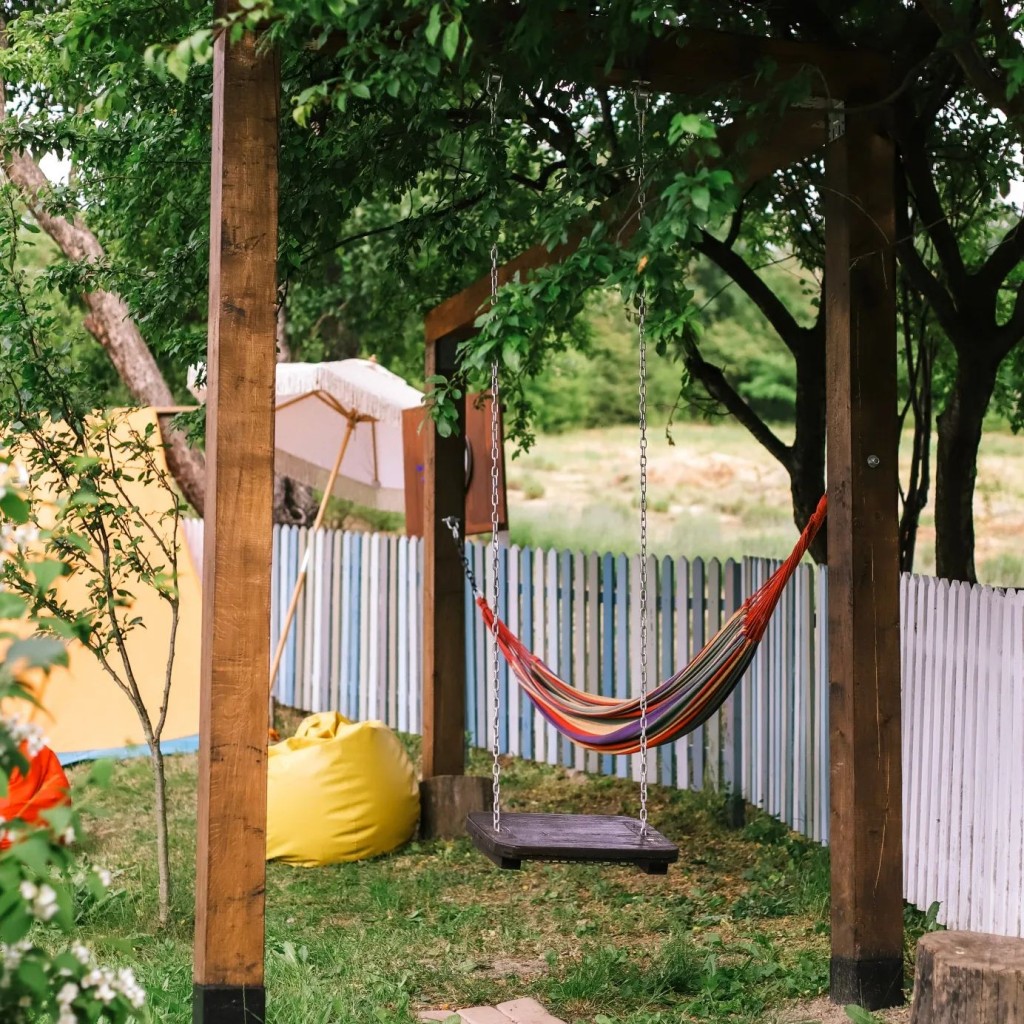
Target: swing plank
x=574, y=838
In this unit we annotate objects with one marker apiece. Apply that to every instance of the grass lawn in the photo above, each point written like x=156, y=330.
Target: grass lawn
x=738, y=931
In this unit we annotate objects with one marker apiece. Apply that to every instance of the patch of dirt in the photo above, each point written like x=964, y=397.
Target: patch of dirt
x=512, y=967
x=823, y=1011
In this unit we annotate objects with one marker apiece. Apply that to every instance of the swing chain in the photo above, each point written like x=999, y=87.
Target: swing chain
x=641, y=99
x=453, y=525
x=493, y=93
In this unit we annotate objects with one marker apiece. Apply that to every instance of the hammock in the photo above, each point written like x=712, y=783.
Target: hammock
x=676, y=706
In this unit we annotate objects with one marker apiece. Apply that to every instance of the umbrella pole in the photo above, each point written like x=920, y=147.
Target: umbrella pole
x=301, y=581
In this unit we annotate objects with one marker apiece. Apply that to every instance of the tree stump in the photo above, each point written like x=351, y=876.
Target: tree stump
x=968, y=978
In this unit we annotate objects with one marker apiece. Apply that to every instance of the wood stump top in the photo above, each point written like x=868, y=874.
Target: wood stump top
x=969, y=978
x=976, y=950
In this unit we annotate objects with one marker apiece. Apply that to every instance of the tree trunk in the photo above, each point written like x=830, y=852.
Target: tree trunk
x=294, y=503
x=956, y=463
x=163, y=861
x=111, y=323
x=807, y=461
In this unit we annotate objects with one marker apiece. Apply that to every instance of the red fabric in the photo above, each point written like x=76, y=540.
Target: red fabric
x=44, y=786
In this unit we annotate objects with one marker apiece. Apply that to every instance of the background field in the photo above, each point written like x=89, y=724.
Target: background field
x=715, y=492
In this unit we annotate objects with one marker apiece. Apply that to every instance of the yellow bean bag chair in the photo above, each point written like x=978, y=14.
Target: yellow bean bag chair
x=339, y=791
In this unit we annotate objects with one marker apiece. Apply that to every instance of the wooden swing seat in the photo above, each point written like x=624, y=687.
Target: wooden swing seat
x=571, y=838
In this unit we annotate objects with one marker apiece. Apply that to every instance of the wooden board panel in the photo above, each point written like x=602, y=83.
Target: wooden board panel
x=578, y=838
x=477, y=469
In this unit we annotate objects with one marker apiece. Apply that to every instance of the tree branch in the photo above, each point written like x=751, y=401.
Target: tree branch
x=919, y=274
x=718, y=387
x=1003, y=259
x=109, y=319
x=919, y=177
x=774, y=310
x=991, y=84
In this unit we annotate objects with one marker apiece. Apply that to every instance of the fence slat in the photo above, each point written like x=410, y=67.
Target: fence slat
x=684, y=633
x=515, y=698
x=592, y=643
x=578, y=639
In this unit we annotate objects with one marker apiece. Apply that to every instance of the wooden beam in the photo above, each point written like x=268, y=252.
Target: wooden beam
x=863, y=591
x=231, y=855
x=693, y=61
x=797, y=135
x=444, y=594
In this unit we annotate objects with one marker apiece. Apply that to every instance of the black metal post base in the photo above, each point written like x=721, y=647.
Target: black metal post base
x=873, y=984
x=229, y=1004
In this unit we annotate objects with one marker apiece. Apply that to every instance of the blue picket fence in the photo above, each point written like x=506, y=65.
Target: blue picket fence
x=356, y=647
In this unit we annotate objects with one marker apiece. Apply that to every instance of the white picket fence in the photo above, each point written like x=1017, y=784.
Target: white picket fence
x=356, y=648
x=963, y=753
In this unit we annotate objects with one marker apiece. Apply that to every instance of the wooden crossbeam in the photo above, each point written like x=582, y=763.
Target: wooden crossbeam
x=800, y=133
x=694, y=61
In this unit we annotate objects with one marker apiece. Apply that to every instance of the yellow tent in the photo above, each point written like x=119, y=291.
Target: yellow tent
x=84, y=714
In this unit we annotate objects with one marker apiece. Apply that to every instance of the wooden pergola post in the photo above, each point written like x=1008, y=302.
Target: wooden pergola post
x=866, y=835
x=231, y=855
x=444, y=595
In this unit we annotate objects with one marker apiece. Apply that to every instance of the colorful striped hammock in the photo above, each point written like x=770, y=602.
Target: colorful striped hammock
x=676, y=706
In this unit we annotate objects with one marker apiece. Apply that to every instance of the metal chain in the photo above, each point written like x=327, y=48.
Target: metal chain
x=641, y=99
x=493, y=92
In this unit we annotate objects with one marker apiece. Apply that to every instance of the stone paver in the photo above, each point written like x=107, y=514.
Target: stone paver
x=483, y=1015
x=527, y=1011
x=516, y=1011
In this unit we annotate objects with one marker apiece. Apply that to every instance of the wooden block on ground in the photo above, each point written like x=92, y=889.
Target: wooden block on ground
x=483, y=1015
x=446, y=800
x=527, y=1011
x=967, y=976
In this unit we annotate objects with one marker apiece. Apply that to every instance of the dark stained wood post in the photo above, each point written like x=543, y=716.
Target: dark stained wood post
x=444, y=594
x=863, y=599
x=231, y=855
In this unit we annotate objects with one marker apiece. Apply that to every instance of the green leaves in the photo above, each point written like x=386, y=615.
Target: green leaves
x=36, y=652
x=14, y=507
x=860, y=1016
x=433, y=26
x=46, y=573
x=450, y=40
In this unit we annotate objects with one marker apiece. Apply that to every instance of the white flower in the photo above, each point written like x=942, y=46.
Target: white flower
x=28, y=890
x=68, y=836
x=80, y=953
x=67, y=1016
x=105, y=877
x=68, y=993
x=45, y=905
